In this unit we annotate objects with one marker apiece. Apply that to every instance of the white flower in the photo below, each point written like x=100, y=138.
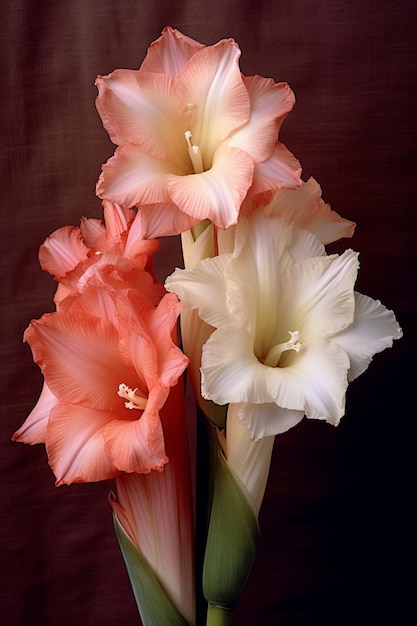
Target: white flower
x=291, y=332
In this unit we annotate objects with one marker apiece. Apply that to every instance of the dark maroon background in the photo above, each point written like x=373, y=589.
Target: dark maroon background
x=336, y=522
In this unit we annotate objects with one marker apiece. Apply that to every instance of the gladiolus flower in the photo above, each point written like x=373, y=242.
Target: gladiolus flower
x=109, y=361
x=290, y=330
x=194, y=135
x=74, y=256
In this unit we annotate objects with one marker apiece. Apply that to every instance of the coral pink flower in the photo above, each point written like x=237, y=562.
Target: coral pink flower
x=194, y=135
x=109, y=361
x=76, y=255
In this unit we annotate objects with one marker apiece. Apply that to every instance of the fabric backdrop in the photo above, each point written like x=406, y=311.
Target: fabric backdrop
x=336, y=520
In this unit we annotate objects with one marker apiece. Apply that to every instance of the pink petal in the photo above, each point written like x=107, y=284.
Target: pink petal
x=217, y=193
x=138, y=347
x=170, y=52
x=116, y=275
x=92, y=231
x=116, y=219
x=97, y=302
x=62, y=251
x=75, y=445
x=281, y=169
x=162, y=220
x=139, y=242
x=136, y=107
x=270, y=104
x=305, y=207
x=34, y=428
x=79, y=358
x=138, y=445
x=214, y=96
x=161, y=323
x=131, y=177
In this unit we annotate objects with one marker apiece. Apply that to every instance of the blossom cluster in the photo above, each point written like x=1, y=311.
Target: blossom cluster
x=107, y=353
x=272, y=327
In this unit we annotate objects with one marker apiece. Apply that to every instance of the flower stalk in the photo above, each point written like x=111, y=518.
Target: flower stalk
x=219, y=616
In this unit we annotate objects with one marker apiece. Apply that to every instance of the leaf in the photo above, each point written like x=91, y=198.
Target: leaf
x=154, y=605
x=232, y=542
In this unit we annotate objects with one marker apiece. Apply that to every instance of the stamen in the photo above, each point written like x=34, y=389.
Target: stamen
x=274, y=355
x=135, y=401
x=194, y=153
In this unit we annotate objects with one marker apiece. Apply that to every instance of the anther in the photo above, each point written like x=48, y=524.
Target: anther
x=194, y=153
x=134, y=401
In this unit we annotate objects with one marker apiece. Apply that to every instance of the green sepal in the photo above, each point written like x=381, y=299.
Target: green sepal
x=232, y=541
x=154, y=605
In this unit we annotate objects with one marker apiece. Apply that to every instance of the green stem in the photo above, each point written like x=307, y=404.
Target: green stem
x=206, y=457
x=219, y=616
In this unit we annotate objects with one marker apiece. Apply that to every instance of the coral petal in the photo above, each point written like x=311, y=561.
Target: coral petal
x=75, y=445
x=34, y=429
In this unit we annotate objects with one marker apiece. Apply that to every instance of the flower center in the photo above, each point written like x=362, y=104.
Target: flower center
x=194, y=153
x=274, y=355
x=134, y=399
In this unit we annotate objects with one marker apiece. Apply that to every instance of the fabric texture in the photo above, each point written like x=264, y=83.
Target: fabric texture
x=335, y=517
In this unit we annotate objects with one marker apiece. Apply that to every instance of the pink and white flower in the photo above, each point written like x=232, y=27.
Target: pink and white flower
x=194, y=135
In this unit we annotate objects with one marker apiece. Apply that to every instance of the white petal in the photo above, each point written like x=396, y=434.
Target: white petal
x=317, y=295
x=230, y=372
x=203, y=287
x=314, y=380
x=194, y=250
x=304, y=245
x=248, y=459
x=268, y=419
x=373, y=330
x=253, y=275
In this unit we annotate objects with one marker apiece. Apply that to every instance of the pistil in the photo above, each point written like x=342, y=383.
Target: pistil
x=134, y=400
x=274, y=355
x=194, y=153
